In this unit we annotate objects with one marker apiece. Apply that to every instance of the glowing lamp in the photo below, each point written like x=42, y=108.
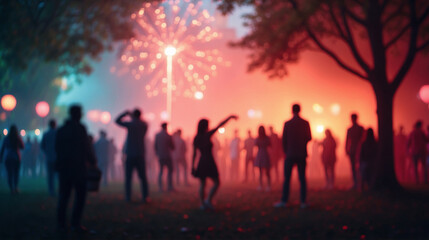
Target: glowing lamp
x=5, y=132
x=317, y=108
x=8, y=102
x=94, y=115
x=42, y=109
x=170, y=51
x=105, y=117
x=424, y=93
x=199, y=95
x=320, y=128
x=164, y=115
x=251, y=113
x=37, y=132
x=221, y=130
x=23, y=132
x=335, y=109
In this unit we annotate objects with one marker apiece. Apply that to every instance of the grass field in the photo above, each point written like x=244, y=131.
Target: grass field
x=241, y=212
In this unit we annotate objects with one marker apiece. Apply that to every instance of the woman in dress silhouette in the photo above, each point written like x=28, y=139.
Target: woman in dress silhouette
x=206, y=167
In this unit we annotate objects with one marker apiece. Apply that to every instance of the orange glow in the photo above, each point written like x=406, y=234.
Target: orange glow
x=105, y=117
x=94, y=115
x=335, y=108
x=37, y=132
x=8, y=102
x=317, y=108
x=42, y=109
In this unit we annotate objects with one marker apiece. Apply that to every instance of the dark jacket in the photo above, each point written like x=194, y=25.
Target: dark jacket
x=73, y=149
x=134, y=145
x=296, y=135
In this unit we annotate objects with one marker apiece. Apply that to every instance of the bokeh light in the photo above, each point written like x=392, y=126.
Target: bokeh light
x=105, y=117
x=93, y=115
x=22, y=132
x=424, y=93
x=37, y=132
x=199, y=95
x=317, y=108
x=221, y=130
x=42, y=109
x=320, y=128
x=164, y=116
x=335, y=109
x=8, y=102
x=5, y=132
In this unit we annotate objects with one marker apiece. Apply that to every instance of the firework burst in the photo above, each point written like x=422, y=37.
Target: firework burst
x=185, y=26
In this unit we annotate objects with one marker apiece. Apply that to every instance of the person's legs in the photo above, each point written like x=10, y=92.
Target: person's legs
x=9, y=171
x=128, y=177
x=51, y=177
x=352, y=158
x=302, y=179
x=326, y=168
x=185, y=171
x=141, y=170
x=416, y=167
x=161, y=168
x=65, y=188
x=267, y=171
x=170, y=174
x=260, y=179
x=79, y=201
x=176, y=163
x=202, y=191
x=213, y=190
x=17, y=166
x=287, y=173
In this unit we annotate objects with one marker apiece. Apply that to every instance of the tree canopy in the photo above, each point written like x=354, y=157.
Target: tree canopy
x=373, y=31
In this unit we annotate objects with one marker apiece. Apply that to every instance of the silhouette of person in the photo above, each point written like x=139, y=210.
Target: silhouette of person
x=48, y=148
x=353, y=141
x=135, y=152
x=74, y=157
x=329, y=157
x=234, y=154
x=112, y=159
x=206, y=167
x=417, y=148
x=27, y=158
x=367, y=158
x=101, y=147
x=249, y=146
x=163, y=147
x=296, y=135
x=179, y=156
x=262, y=160
x=9, y=153
x=400, y=143
x=275, y=152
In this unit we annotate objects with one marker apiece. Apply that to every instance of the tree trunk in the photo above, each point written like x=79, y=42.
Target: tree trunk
x=384, y=177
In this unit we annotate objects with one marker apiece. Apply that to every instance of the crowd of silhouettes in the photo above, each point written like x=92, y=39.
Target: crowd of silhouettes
x=65, y=155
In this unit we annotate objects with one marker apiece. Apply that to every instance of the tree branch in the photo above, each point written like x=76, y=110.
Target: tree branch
x=334, y=56
x=337, y=24
x=352, y=45
x=423, y=46
x=397, y=37
x=412, y=47
x=354, y=17
x=423, y=16
x=395, y=14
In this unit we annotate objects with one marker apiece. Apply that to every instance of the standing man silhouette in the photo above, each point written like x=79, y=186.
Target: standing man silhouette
x=296, y=135
x=353, y=141
x=135, y=152
x=74, y=156
x=48, y=147
x=163, y=147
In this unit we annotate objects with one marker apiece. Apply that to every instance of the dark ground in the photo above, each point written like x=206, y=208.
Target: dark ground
x=241, y=212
